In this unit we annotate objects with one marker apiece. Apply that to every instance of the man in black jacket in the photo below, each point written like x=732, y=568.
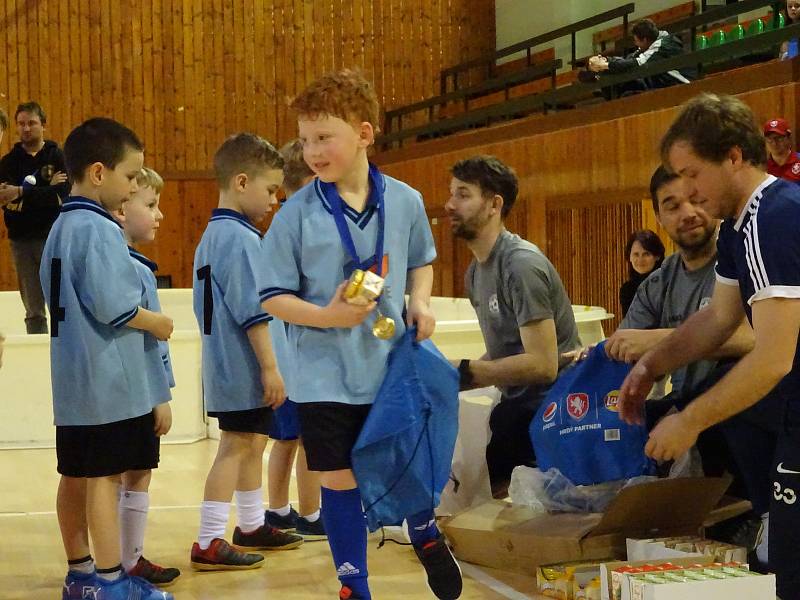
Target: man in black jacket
x=33, y=183
x=651, y=45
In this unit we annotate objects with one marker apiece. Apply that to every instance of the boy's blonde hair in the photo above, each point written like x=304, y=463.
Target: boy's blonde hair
x=147, y=177
x=3, y=120
x=345, y=94
x=295, y=167
x=244, y=153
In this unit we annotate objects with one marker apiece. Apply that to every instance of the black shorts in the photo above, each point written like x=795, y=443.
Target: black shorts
x=109, y=449
x=254, y=420
x=329, y=431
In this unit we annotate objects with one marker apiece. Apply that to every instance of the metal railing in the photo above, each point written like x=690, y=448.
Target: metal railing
x=490, y=62
x=565, y=95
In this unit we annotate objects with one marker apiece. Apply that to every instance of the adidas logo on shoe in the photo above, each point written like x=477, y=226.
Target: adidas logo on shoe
x=347, y=569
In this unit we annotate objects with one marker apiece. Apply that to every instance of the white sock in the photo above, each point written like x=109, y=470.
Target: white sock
x=213, y=522
x=312, y=518
x=762, y=550
x=133, y=508
x=111, y=574
x=85, y=565
x=283, y=511
x=249, y=509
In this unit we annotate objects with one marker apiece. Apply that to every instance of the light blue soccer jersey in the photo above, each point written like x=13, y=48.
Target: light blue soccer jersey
x=226, y=304
x=146, y=269
x=303, y=255
x=92, y=290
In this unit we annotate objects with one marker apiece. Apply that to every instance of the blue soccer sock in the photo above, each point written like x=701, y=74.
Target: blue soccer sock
x=422, y=528
x=344, y=522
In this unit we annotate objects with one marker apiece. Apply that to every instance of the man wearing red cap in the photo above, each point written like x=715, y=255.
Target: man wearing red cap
x=782, y=160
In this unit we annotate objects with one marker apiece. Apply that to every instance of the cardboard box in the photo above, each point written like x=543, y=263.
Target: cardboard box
x=754, y=587
x=607, y=568
x=514, y=538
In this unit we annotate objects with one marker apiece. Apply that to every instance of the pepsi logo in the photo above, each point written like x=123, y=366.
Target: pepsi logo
x=550, y=412
x=773, y=123
x=612, y=401
x=577, y=405
x=796, y=168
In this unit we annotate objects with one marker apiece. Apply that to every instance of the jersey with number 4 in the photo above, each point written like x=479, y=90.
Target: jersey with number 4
x=226, y=304
x=99, y=366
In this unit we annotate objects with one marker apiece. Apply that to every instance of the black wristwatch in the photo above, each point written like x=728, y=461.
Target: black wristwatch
x=464, y=374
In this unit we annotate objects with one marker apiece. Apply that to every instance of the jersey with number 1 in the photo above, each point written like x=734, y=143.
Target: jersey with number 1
x=100, y=368
x=226, y=304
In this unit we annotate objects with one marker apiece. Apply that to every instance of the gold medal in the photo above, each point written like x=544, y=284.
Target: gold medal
x=364, y=287
x=383, y=327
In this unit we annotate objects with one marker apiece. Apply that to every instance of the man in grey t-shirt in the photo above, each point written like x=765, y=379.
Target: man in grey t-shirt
x=669, y=296
x=524, y=313
x=682, y=286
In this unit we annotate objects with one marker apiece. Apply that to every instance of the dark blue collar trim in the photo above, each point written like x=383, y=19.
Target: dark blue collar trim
x=81, y=203
x=227, y=213
x=143, y=259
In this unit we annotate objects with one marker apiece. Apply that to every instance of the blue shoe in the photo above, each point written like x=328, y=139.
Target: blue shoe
x=129, y=588
x=287, y=523
x=78, y=586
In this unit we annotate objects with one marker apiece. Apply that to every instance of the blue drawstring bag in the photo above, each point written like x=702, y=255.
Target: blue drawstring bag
x=402, y=457
x=578, y=430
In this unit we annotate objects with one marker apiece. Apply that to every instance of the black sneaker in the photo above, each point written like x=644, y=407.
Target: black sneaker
x=287, y=523
x=444, y=574
x=311, y=530
x=266, y=538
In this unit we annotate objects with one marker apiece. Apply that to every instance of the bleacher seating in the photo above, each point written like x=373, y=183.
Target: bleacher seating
x=480, y=104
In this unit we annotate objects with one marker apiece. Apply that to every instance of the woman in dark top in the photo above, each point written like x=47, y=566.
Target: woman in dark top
x=645, y=253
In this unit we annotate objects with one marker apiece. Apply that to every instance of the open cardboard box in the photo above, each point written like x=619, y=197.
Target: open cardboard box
x=515, y=538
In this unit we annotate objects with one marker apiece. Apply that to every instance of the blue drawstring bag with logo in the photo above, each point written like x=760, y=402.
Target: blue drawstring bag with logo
x=404, y=453
x=578, y=430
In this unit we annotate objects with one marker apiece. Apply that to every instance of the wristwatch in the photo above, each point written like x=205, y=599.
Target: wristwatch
x=464, y=373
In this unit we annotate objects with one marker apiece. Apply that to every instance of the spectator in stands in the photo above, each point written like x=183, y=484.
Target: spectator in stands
x=789, y=49
x=651, y=45
x=33, y=182
x=645, y=253
x=523, y=310
x=782, y=159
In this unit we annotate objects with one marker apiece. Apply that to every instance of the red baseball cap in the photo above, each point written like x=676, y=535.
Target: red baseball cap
x=779, y=126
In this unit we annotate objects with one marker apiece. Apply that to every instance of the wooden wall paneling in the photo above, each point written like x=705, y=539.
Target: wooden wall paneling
x=299, y=64
x=280, y=42
x=115, y=66
x=203, y=107
x=349, y=34
x=133, y=46
x=192, y=90
x=41, y=71
x=147, y=81
x=368, y=40
x=215, y=54
x=178, y=144
x=378, y=42
x=13, y=48
x=169, y=64
x=310, y=41
x=156, y=141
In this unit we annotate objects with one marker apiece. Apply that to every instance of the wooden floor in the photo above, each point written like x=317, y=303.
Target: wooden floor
x=32, y=561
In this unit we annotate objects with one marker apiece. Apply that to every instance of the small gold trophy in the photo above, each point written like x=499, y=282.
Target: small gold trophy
x=364, y=287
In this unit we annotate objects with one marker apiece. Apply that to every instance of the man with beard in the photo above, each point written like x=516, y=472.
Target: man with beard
x=523, y=310
x=683, y=285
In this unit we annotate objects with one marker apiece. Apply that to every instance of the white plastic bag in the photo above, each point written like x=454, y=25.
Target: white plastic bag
x=469, y=476
x=550, y=491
